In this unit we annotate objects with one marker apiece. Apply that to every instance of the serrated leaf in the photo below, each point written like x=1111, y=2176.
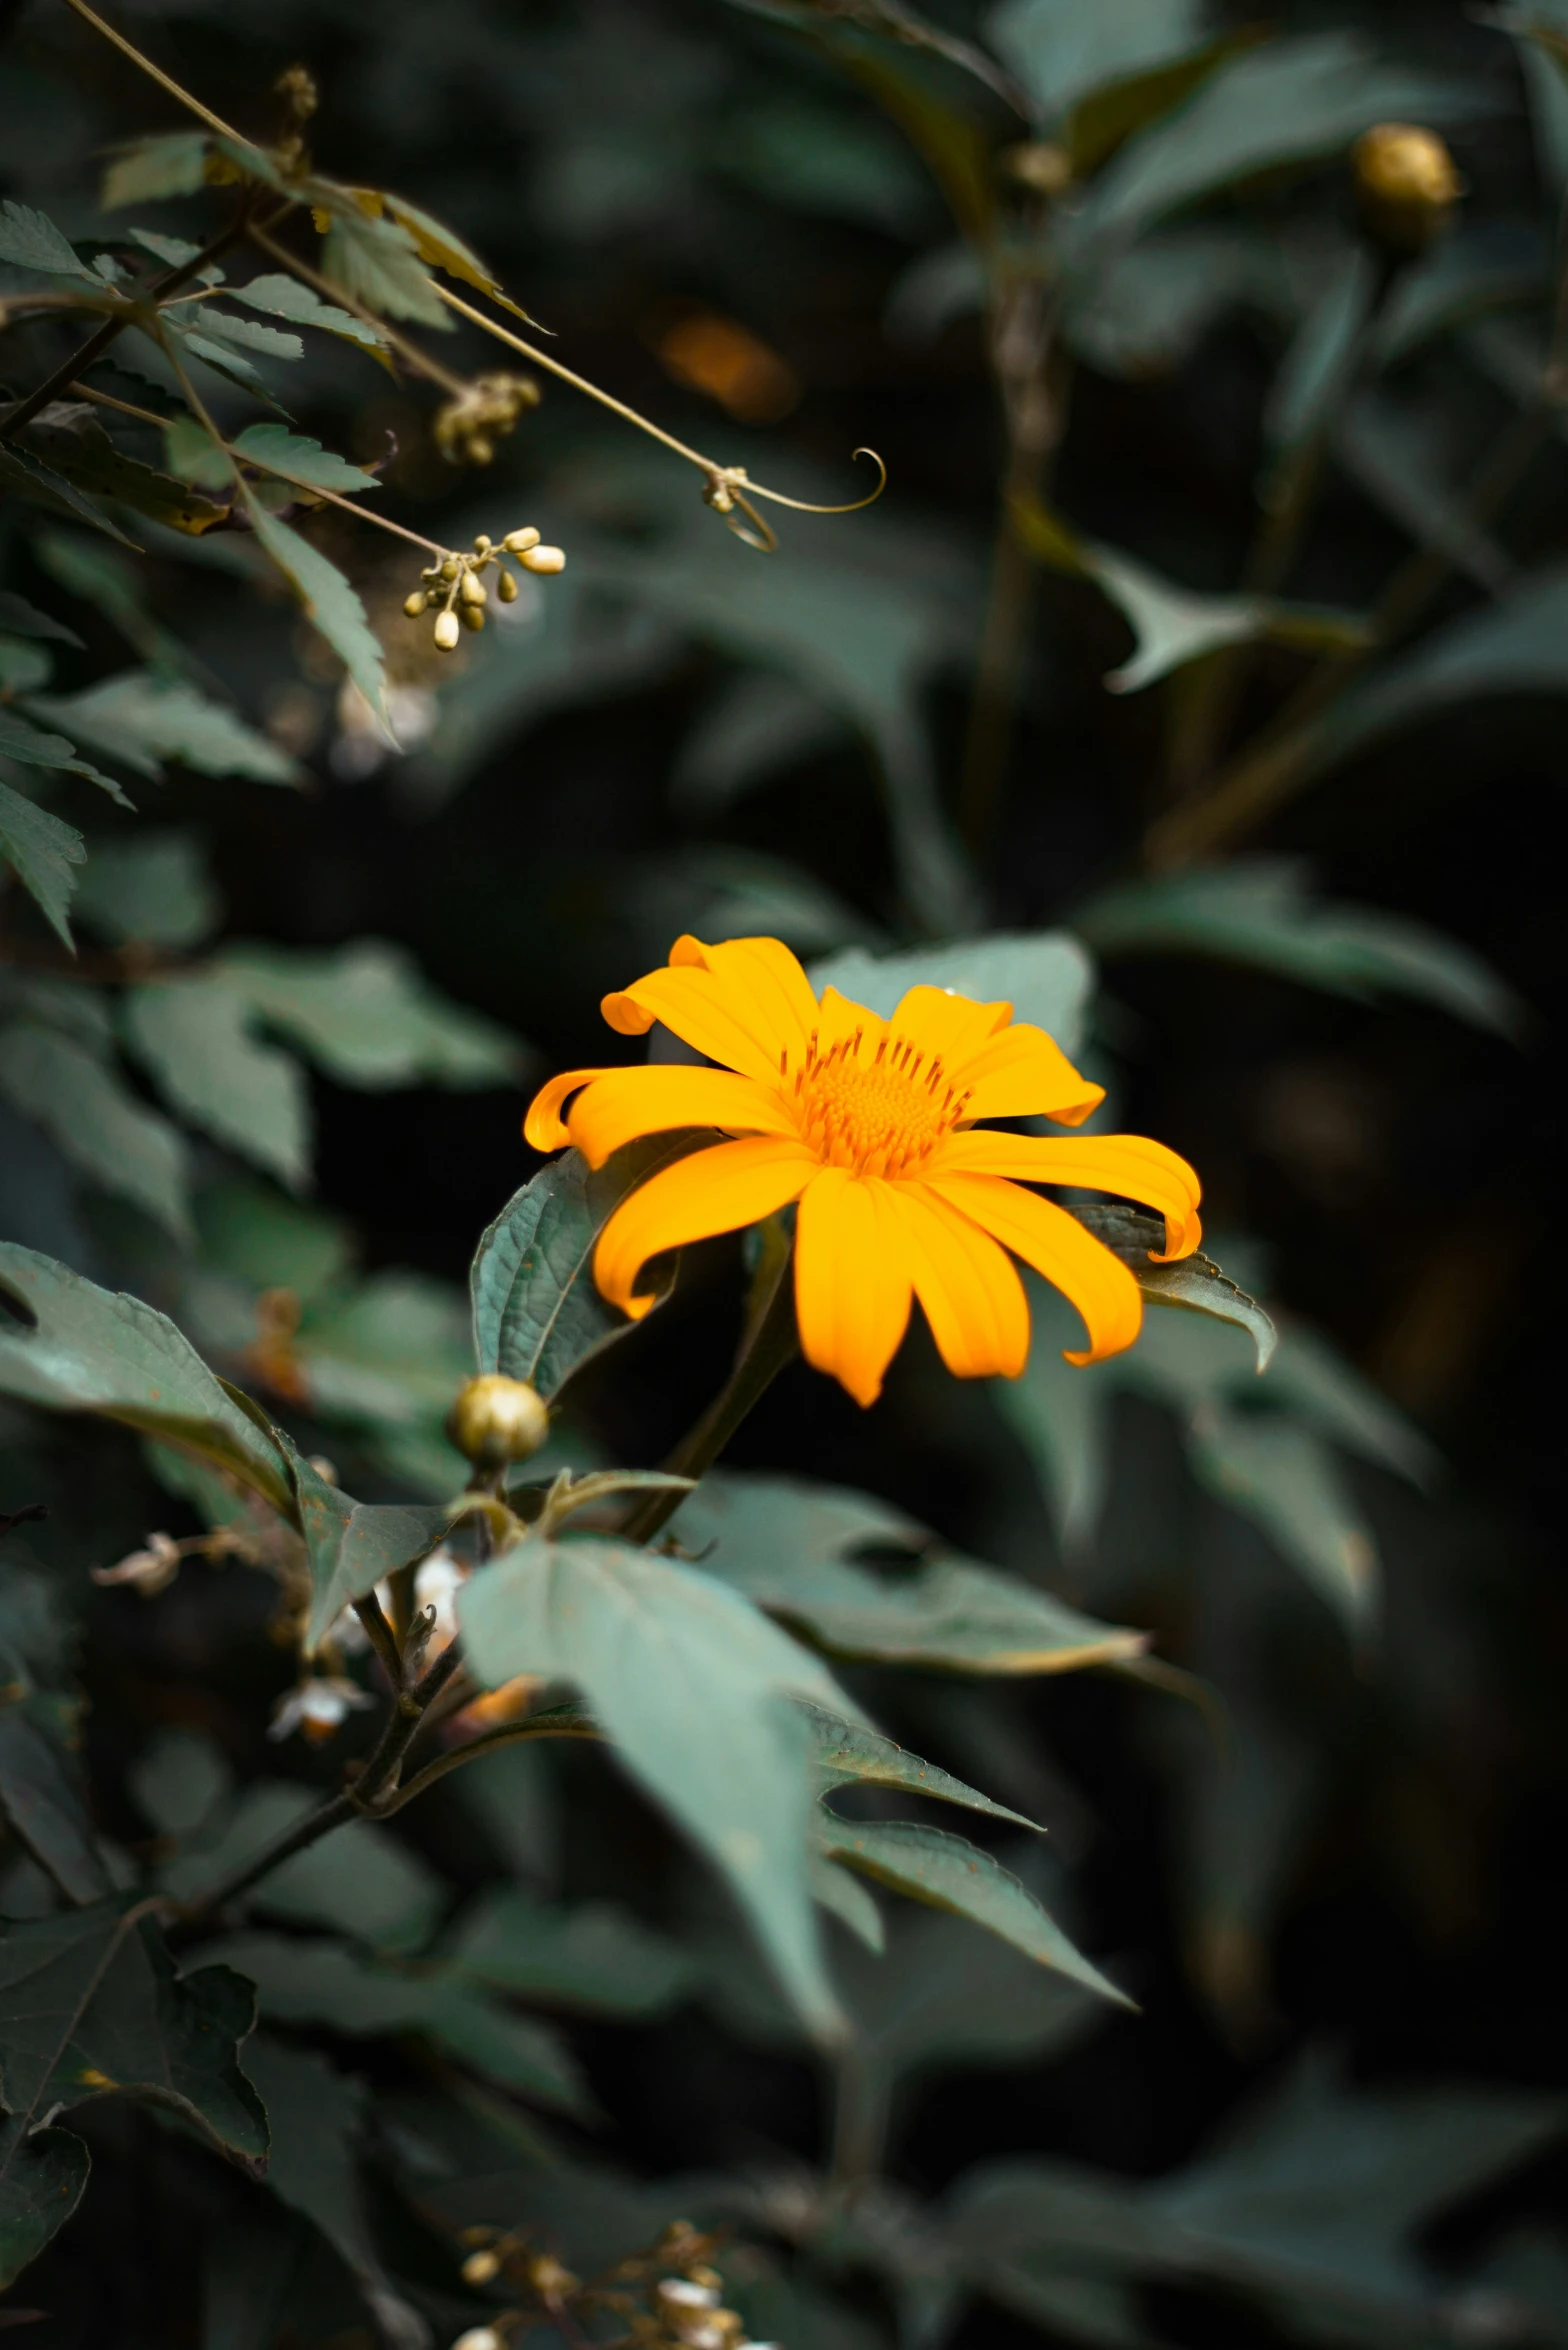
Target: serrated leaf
x=440, y=246
x=30, y=240
x=1260, y=910
x=43, y=2175
x=194, y=1036
x=1044, y=975
x=20, y=741
x=173, y=164
x=844, y=1897
x=27, y=476
x=597, y=1957
x=947, y=1872
x=791, y=1547
x=73, y=1347
x=44, y=1808
x=316, y=1981
x=69, y=437
x=1194, y=1283
x=377, y=262
x=90, y=2005
x=281, y=296
x=537, y=1312
x=354, y=1545
x=153, y=889
x=43, y=852
x=20, y=618
x=142, y=719
x=366, y=1017
x=849, y=1754
x=691, y=1685
x=329, y=601
x=85, y=1109
x=274, y=447
x=245, y=333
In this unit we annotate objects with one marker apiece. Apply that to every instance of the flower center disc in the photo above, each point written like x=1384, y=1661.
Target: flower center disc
x=879, y=1113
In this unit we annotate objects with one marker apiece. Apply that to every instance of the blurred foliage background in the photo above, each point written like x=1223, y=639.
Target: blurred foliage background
x=787, y=232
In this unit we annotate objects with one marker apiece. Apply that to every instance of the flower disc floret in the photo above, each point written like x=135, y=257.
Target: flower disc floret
x=876, y=1130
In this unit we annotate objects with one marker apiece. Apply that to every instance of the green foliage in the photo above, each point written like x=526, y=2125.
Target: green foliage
x=365, y=1017
x=43, y=852
x=30, y=240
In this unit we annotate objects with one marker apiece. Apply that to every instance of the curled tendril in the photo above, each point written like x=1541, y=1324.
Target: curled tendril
x=729, y=486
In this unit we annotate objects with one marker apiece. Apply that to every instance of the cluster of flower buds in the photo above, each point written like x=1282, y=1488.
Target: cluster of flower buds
x=656, y=2311
x=466, y=428
x=456, y=584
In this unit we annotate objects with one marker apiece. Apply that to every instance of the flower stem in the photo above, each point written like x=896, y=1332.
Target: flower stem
x=771, y=1341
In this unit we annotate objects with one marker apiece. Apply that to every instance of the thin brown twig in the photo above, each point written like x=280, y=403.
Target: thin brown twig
x=214, y=122
x=410, y=353
x=477, y=1748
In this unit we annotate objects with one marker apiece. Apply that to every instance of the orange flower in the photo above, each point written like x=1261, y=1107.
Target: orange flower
x=874, y=1127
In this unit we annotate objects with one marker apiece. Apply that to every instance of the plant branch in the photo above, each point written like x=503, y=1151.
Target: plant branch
x=410, y=353
x=214, y=122
x=541, y=1726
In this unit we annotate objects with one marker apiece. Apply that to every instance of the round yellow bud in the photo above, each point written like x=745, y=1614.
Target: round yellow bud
x=472, y=617
x=479, y=448
x=479, y=2338
x=1408, y=185
x=449, y=567
x=506, y=588
x=518, y=542
x=480, y=2267
x=543, y=559
x=472, y=590
x=482, y=544
x=493, y=1420
x=1038, y=165
x=447, y=632
x=413, y=605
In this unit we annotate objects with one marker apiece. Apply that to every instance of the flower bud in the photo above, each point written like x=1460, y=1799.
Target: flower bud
x=447, y=632
x=480, y=2268
x=494, y=1420
x=480, y=448
x=479, y=2338
x=472, y=590
x=1407, y=183
x=1038, y=165
x=506, y=588
x=449, y=567
x=542, y=559
x=482, y=543
x=414, y=604
x=518, y=542
x=472, y=616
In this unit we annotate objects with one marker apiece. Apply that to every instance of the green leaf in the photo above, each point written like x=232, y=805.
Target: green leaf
x=354, y=1545
x=691, y=1685
x=1194, y=1283
x=367, y=1018
x=949, y=1873
x=75, y=445
x=194, y=1037
x=756, y=725
x=24, y=743
x=1394, y=455
x=537, y=1313
x=154, y=890
x=596, y=1957
x=22, y=474
x=20, y=618
x=24, y=667
x=43, y=2176
x=790, y=1547
x=1044, y=975
x=90, y=2005
x=142, y=719
x=1288, y=103
x=274, y=446
x=175, y=252
x=73, y=1347
x=43, y=852
x=315, y=2119
x=850, y=1754
x=1058, y=1411
x=360, y=1879
x=173, y=164
x=281, y=296
x=1062, y=53
x=114, y=587
x=1323, y=355
x=309, y=1980
x=1146, y=311
x=1260, y=910
x=377, y=263
x=44, y=1808
x=439, y=246
x=1287, y=1481
x=329, y=601
x=86, y=1109
x=30, y=240
x=269, y=341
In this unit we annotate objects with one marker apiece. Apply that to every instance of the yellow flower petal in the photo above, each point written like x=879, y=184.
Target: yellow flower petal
x=543, y=1127
x=739, y=1004
x=1057, y=1245
x=1021, y=1073
x=972, y=1298
x=1129, y=1164
x=622, y=1104
x=947, y=1027
x=852, y=1280
x=715, y=1190
x=697, y=1008
x=768, y=976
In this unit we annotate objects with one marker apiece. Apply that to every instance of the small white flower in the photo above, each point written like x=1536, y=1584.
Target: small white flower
x=148, y=1571
x=437, y=1582
x=479, y=2338
x=681, y=2295
x=317, y=1708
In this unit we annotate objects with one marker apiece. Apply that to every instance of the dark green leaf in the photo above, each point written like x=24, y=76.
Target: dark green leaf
x=596, y=1957
x=354, y=1545
x=281, y=296
x=246, y=333
x=1287, y=1480
x=850, y=1754
x=757, y=725
x=73, y=1347
x=69, y=438
x=1044, y=975
x=24, y=743
x=141, y=720
x=1259, y=910
x=949, y=1873
x=1062, y=54
x=20, y=618
x=1195, y=1283
x=44, y=853
x=30, y=240
x=274, y=447
x=1323, y=354
x=790, y=1546
x=22, y=474
x=329, y=601
x=174, y=164
x=360, y=1878
x=309, y=1980
x=45, y=1809
x=537, y=1313
x=367, y=1018
x=93, y=1117
x=194, y=1036
x=691, y=1685
x=154, y=889
x=42, y=2180
x=377, y=263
